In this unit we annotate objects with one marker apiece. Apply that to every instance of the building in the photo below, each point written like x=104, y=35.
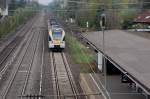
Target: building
x=142, y=22
x=4, y=7
x=143, y=18
x=65, y=3
x=62, y=3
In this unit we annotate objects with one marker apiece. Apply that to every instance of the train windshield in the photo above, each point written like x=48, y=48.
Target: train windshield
x=57, y=35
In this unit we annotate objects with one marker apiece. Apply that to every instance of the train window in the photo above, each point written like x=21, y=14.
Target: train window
x=57, y=34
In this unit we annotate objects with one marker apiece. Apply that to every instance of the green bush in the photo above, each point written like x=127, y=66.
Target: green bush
x=127, y=24
x=79, y=53
x=10, y=23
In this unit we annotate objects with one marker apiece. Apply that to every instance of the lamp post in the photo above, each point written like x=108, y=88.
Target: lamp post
x=103, y=26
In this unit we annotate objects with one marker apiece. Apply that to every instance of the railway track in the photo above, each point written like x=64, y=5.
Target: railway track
x=9, y=50
x=22, y=69
x=30, y=66
x=46, y=81
x=64, y=85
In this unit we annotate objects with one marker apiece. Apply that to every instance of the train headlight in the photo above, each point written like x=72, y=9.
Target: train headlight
x=62, y=45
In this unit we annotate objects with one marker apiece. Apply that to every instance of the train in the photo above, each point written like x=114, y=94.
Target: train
x=56, y=35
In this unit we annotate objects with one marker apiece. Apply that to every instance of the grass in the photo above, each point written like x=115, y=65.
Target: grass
x=79, y=53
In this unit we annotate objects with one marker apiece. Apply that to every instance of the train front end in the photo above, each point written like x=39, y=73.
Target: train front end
x=56, y=38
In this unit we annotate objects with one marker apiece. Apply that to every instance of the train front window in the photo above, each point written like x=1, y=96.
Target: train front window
x=57, y=35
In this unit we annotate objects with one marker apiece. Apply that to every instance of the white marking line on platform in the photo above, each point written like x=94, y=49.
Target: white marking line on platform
x=99, y=87
x=40, y=92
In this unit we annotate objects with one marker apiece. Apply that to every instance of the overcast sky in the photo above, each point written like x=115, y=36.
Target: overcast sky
x=45, y=2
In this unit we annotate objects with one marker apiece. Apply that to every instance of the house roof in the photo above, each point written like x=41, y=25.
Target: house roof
x=143, y=18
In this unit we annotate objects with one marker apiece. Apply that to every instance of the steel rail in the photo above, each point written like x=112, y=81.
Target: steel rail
x=25, y=30
x=42, y=66
x=7, y=51
x=56, y=77
x=65, y=63
x=30, y=66
x=69, y=76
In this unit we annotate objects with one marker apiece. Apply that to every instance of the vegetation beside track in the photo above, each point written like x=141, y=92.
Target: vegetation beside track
x=10, y=23
x=79, y=53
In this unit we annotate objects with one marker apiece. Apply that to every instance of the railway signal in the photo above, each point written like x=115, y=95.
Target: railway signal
x=103, y=21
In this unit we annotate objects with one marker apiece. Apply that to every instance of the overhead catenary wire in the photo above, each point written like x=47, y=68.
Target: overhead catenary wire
x=107, y=6
x=61, y=10
x=79, y=2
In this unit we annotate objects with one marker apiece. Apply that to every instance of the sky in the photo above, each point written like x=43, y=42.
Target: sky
x=45, y=2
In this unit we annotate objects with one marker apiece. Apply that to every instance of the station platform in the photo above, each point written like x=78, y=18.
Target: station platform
x=90, y=89
x=93, y=86
x=128, y=51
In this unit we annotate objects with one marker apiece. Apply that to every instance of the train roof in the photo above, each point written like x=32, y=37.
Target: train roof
x=52, y=19
x=57, y=29
x=53, y=22
x=56, y=26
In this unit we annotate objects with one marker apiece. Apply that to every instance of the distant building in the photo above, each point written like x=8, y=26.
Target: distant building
x=143, y=18
x=142, y=22
x=4, y=7
x=63, y=3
